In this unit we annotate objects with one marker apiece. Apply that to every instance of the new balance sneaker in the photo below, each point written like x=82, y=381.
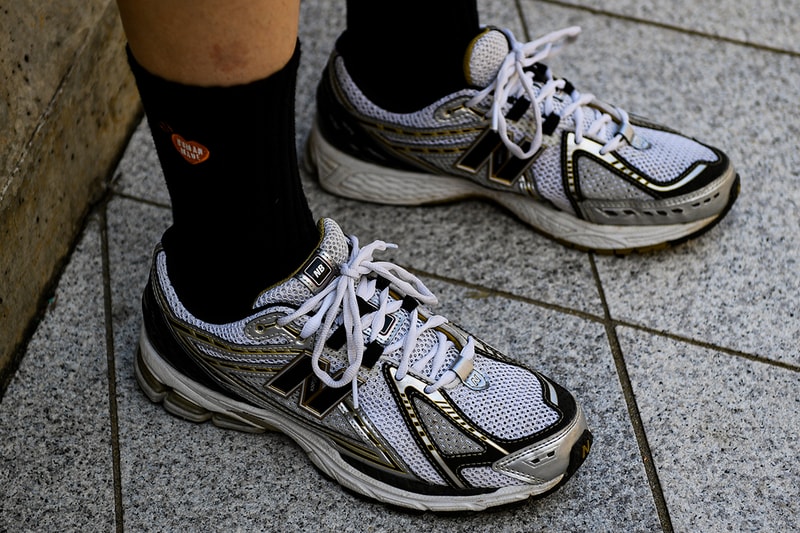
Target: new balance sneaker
x=576, y=169
x=387, y=398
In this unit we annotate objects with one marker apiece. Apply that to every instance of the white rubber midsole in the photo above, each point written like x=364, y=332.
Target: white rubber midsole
x=320, y=451
x=344, y=175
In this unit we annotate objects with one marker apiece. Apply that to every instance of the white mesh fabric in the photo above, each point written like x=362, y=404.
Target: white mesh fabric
x=292, y=291
x=334, y=243
x=334, y=246
x=547, y=175
x=484, y=57
x=512, y=407
x=669, y=155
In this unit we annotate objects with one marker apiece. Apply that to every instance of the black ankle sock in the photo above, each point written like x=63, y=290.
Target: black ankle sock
x=406, y=55
x=240, y=219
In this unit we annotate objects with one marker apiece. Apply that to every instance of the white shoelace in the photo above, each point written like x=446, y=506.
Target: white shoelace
x=339, y=299
x=513, y=81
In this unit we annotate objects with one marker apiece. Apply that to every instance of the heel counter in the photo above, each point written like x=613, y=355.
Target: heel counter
x=161, y=335
x=156, y=326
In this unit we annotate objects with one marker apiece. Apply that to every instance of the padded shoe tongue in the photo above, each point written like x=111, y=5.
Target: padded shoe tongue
x=484, y=56
x=319, y=269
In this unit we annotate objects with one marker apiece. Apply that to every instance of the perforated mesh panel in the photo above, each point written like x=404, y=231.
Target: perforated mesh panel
x=486, y=55
x=334, y=246
x=669, y=155
x=449, y=438
x=547, y=175
x=512, y=407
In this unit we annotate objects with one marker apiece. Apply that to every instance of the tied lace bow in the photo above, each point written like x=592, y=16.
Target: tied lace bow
x=337, y=305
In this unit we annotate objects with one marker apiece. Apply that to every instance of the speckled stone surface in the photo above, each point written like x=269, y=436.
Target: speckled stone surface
x=725, y=448
x=55, y=438
x=761, y=22
x=684, y=360
x=36, y=53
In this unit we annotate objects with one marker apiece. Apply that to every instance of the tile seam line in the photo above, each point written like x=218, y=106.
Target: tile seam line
x=508, y=295
x=133, y=198
x=634, y=415
x=709, y=346
x=111, y=367
x=672, y=27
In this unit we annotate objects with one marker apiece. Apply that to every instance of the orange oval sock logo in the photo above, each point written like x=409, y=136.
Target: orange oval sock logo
x=192, y=151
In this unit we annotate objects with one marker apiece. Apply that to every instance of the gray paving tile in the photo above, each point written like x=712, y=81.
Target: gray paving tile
x=470, y=241
x=55, y=436
x=723, y=434
x=762, y=22
x=177, y=474
x=676, y=79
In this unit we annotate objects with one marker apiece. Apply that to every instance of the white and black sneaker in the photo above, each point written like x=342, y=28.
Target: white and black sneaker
x=576, y=169
x=390, y=400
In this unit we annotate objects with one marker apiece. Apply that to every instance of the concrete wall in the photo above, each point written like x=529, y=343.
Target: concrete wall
x=67, y=106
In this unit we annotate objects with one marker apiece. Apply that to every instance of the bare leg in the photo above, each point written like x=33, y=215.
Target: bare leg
x=211, y=42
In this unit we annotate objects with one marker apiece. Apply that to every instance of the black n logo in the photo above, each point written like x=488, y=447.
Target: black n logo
x=504, y=167
x=315, y=397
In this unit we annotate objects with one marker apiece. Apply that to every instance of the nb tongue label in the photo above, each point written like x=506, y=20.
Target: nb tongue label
x=316, y=273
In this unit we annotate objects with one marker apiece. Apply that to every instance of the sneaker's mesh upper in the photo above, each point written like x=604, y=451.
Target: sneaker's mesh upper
x=449, y=439
x=547, y=175
x=485, y=56
x=598, y=182
x=334, y=247
x=511, y=407
x=377, y=402
x=669, y=155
